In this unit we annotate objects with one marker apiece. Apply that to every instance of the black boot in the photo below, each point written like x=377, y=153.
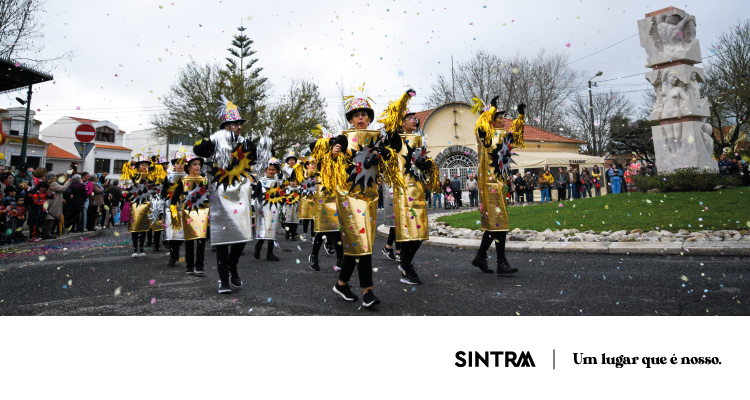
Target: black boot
x=481, y=263
x=258, y=246
x=47, y=230
x=269, y=255
x=503, y=266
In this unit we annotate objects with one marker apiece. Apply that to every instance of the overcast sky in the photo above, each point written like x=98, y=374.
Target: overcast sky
x=128, y=53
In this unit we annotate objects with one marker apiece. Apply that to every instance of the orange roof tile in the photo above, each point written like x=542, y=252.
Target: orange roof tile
x=84, y=120
x=108, y=147
x=56, y=152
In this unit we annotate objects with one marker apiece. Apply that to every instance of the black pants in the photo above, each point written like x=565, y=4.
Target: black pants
x=305, y=223
x=138, y=239
x=195, y=251
x=292, y=229
x=259, y=245
x=364, y=270
x=392, y=239
x=174, y=249
x=487, y=238
x=227, y=257
x=408, y=251
x=333, y=238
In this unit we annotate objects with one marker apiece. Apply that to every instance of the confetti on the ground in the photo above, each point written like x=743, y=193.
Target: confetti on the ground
x=152, y=282
x=153, y=300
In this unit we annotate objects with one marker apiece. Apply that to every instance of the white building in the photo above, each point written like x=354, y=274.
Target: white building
x=109, y=153
x=13, y=120
x=144, y=141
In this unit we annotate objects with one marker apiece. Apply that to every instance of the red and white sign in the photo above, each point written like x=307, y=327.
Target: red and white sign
x=85, y=133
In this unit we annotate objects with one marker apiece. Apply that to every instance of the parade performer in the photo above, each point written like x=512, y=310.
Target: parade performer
x=269, y=200
x=352, y=167
x=157, y=205
x=418, y=172
x=173, y=234
x=290, y=161
x=307, y=197
x=494, y=148
x=189, y=211
x=325, y=215
x=230, y=158
x=145, y=175
x=293, y=195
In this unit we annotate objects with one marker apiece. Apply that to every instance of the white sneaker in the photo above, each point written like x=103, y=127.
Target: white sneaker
x=134, y=255
x=142, y=255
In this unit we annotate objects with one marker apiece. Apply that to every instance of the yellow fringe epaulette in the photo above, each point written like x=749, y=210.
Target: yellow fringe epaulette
x=391, y=171
x=433, y=180
x=484, y=122
x=333, y=171
x=320, y=149
x=175, y=222
x=158, y=174
x=393, y=115
x=299, y=172
x=128, y=172
x=517, y=128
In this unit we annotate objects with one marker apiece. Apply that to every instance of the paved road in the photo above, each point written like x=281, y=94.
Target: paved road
x=82, y=278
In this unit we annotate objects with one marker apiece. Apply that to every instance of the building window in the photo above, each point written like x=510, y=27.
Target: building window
x=101, y=165
x=14, y=133
x=118, y=166
x=48, y=166
x=105, y=134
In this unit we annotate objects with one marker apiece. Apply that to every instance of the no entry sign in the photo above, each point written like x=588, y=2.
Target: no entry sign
x=85, y=133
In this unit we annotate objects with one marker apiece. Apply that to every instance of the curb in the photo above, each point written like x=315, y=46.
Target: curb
x=722, y=249
x=71, y=237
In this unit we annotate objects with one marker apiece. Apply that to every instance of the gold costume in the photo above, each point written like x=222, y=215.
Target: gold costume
x=409, y=204
x=307, y=201
x=140, y=205
x=192, y=211
x=326, y=216
x=491, y=181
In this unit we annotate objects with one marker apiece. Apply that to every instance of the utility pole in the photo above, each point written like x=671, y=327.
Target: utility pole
x=26, y=128
x=595, y=149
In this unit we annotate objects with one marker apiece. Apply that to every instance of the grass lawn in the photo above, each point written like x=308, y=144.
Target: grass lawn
x=694, y=211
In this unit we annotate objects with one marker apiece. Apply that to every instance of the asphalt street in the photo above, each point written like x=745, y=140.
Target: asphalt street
x=98, y=277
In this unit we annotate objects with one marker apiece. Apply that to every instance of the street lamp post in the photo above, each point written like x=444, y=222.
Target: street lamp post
x=591, y=111
x=25, y=127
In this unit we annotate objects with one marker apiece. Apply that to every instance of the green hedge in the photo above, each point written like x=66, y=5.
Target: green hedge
x=685, y=180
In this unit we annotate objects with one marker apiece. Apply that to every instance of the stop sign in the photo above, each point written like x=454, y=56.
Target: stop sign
x=85, y=133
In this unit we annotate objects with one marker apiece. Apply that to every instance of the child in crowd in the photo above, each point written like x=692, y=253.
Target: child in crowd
x=37, y=210
x=291, y=208
x=451, y=200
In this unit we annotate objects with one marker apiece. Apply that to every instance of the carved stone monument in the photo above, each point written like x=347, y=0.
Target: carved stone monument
x=681, y=140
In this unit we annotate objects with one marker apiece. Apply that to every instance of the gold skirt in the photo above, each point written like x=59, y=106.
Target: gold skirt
x=357, y=215
x=492, y=210
x=326, y=216
x=194, y=223
x=139, y=219
x=307, y=207
x=410, y=210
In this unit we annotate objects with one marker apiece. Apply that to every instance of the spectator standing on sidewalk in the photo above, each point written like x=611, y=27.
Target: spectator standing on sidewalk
x=528, y=184
x=55, y=208
x=473, y=188
x=596, y=180
x=561, y=184
x=456, y=189
x=546, y=180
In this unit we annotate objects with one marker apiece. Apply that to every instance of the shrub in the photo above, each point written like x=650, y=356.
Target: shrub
x=685, y=180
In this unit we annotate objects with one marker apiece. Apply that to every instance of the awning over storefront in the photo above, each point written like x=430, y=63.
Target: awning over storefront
x=537, y=159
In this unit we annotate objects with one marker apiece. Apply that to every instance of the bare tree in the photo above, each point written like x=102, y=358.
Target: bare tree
x=728, y=87
x=341, y=121
x=21, y=31
x=606, y=107
x=543, y=82
x=293, y=118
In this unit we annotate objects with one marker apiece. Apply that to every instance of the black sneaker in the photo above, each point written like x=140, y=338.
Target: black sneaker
x=224, y=288
x=199, y=270
x=313, y=262
x=271, y=257
x=345, y=292
x=369, y=299
x=190, y=270
x=235, y=282
x=388, y=253
x=398, y=256
x=410, y=277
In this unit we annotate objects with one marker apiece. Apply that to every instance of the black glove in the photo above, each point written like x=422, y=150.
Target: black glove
x=522, y=108
x=343, y=141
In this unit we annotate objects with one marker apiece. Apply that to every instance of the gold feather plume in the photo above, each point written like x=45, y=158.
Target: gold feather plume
x=393, y=115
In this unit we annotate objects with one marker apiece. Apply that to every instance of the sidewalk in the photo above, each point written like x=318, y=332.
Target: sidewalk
x=729, y=249
x=67, y=238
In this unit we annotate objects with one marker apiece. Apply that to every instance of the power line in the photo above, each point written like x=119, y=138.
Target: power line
x=608, y=47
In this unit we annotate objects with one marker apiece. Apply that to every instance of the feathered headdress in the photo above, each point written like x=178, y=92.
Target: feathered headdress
x=394, y=115
x=228, y=112
x=486, y=116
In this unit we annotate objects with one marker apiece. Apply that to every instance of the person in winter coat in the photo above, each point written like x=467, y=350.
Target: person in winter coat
x=96, y=203
x=55, y=208
x=78, y=199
